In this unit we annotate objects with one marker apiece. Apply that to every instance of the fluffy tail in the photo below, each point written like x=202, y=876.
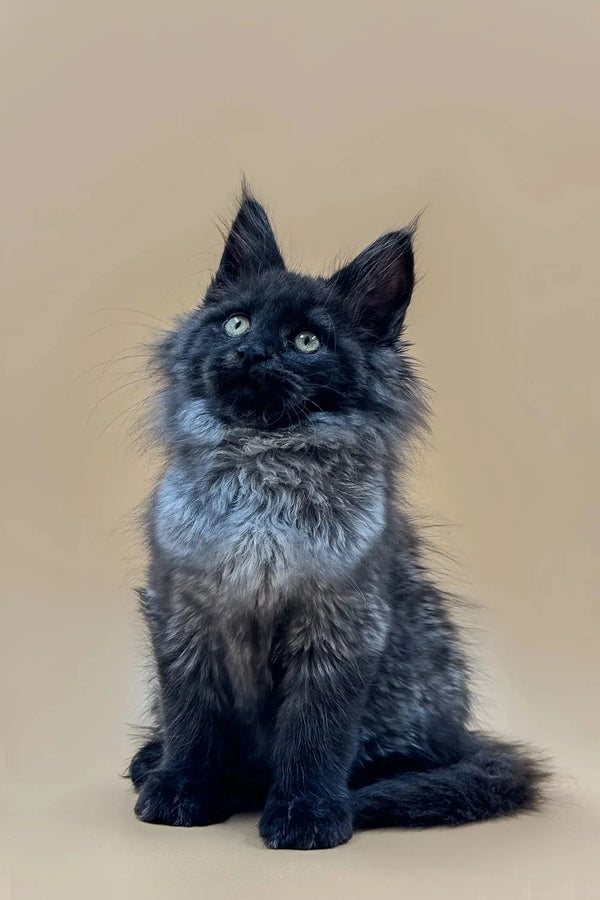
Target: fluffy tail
x=493, y=779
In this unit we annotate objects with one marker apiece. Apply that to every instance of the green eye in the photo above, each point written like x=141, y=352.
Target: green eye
x=307, y=342
x=236, y=325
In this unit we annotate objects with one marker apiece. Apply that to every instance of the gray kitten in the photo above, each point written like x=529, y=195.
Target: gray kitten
x=306, y=664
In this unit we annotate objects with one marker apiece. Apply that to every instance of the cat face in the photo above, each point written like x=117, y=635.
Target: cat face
x=269, y=347
x=272, y=349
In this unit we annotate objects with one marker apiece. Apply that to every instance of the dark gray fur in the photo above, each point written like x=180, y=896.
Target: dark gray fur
x=305, y=661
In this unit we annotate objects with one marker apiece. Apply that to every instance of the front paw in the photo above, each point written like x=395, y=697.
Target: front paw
x=169, y=798
x=306, y=823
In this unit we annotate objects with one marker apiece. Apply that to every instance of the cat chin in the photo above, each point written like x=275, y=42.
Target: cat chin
x=205, y=422
x=183, y=420
x=252, y=409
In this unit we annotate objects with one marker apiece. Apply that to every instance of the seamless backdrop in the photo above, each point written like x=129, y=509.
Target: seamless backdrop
x=126, y=128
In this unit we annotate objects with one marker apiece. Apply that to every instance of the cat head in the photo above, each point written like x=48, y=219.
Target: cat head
x=270, y=348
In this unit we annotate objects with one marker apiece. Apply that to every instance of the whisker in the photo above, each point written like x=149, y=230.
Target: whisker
x=116, y=390
x=124, y=412
x=129, y=309
x=117, y=375
x=329, y=388
x=113, y=359
x=117, y=325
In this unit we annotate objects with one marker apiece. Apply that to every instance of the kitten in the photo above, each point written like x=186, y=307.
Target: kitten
x=306, y=664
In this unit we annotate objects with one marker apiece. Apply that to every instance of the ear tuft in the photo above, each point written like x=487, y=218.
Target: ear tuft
x=250, y=245
x=378, y=284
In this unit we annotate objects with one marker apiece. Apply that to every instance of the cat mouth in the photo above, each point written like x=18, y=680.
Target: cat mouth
x=259, y=394
x=259, y=377
x=264, y=402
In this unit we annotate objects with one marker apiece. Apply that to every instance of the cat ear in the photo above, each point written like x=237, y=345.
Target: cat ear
x=378, y=284
x=250, y=246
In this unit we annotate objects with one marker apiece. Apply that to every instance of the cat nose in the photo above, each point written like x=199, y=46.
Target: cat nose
x=252, y=354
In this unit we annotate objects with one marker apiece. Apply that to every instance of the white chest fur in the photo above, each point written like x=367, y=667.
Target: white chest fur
x=257, y=525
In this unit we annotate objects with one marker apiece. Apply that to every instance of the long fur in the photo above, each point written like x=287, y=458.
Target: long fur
x=306, y=663
x=494, y=778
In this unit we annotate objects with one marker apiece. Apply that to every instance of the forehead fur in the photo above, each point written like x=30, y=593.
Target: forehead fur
x=273, y=289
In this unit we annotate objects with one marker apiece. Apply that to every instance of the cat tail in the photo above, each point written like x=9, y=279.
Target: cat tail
x=494, y=778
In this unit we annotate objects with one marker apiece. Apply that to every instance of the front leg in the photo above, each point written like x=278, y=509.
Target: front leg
x=186, y=786
x=331, y=655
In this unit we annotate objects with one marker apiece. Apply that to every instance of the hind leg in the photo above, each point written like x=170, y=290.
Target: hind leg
x=145, y=761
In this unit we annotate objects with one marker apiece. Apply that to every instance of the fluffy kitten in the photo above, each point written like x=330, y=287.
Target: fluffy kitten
x=306, y=664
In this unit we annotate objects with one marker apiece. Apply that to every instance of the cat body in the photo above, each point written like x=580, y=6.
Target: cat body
x=305, y=662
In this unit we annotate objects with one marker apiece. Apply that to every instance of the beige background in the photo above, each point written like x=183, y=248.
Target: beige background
x=126, y=128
